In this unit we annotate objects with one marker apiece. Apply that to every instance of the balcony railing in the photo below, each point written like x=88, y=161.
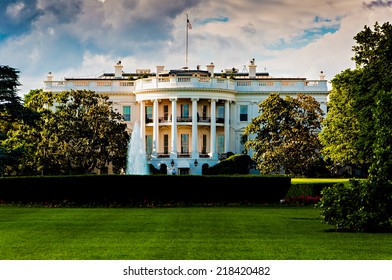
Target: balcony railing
x=266, y=85
x=204, y=119
x=185, y=119
x=163, y=155
x=164, y=119
x=185, y=155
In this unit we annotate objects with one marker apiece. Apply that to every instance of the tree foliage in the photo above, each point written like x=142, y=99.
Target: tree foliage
x=349, y=130
x=77, y=133
x=373, y=55
x=10, y=103
x=285, y=135
x=12, y=112
x=369, y=202
x=340, y=127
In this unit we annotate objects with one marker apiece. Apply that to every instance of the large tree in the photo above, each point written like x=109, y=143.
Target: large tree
x=283, y=137
x=373, y=55
x=12, y=111
x=367, y=205
x=340, y=127
x=10, y=103
x=78, y=132
x=349, y=130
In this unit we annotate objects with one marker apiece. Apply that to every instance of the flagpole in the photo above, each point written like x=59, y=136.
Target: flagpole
x=186, y=48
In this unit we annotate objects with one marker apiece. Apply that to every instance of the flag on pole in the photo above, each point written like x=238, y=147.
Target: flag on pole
x=189, y=24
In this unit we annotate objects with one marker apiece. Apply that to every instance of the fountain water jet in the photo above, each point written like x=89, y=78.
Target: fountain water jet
x=136, y=156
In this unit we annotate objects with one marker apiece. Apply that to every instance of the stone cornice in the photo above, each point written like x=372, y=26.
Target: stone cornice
x=163, y=90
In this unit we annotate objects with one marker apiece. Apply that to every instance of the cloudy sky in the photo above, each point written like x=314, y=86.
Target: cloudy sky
x=84, y=38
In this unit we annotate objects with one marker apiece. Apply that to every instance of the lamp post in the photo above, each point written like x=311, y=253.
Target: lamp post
x=173, y=169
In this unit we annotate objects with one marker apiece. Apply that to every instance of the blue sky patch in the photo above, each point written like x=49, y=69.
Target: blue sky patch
x=306, y=37
x=216, y=19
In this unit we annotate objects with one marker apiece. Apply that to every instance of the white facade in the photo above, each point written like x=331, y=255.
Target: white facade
x=190, y=118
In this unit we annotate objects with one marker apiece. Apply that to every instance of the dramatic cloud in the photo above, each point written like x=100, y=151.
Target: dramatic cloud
x=86, y=37
x=378, y=3
x=17, y=17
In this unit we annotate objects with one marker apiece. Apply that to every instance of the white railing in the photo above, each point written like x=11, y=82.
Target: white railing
x=127, y=84
x=104, y=84
x=190, y=82
x=184, y=80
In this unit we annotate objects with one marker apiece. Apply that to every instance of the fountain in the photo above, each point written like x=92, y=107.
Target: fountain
x=136, y=157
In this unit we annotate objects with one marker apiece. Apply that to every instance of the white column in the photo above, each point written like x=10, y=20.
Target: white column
x=195, y=137
x=227, y=126
x=143, y=125
x=174, y=128
x=213, y=152
x=155, y=136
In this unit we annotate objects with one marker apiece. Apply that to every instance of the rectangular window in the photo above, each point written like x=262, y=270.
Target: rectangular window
x=204, y=144
x=166, y=144
x=166, y=112
x=148, y=114
x=127, y=113
x=184, y=143
x=184, y=110
x=243, y=113
x=221, y=114
x=244, y=139
x=221, y=143
x=204, y=112
x=148, y=144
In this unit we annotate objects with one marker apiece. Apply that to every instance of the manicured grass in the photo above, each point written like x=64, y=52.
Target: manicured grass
x=184, y=233
x=318, y=180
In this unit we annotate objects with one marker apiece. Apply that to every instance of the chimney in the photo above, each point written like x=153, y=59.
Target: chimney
x=210, y=69
x=252, y=69
x=322, y=76
x=118, y=70
x=49, y=77
x=160, y=69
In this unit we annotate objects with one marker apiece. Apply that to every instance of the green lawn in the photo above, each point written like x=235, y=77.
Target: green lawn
x=318, y=180
x=184, y=233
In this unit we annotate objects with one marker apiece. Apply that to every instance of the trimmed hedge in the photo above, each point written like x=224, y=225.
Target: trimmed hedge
x=307, y=189
x=139, y=190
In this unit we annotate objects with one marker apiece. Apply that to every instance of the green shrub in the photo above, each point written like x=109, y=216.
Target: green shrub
x=304, y=194
x=357, y=206
x=307, y=189
x=235, y=164
x=142, y=190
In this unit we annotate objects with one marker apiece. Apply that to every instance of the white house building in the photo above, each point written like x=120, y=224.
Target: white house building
x=190, y=119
